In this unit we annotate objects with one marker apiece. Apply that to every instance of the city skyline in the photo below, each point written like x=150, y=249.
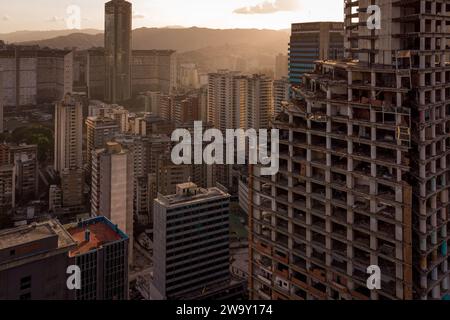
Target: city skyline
x=258, y=14
x=121, y=179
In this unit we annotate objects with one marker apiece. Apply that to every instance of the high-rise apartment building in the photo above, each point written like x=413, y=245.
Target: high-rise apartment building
x=118, y=23
x=68, y=134
x=281, y=91
x=99, y=131
x=25, y=160
x=34, y=75
x=363, y=168
x=112, y=187
x=68, y=149
x=101, y=252
x=152, y=101
x=227, y=92
x=191, y=242
x=72, y=188
x=181, y=108
x=7, y=190
x=169, y=175
x=239, y=101
x=34, y=261
x=96, y=73
x=259, y=103
x=188, y=76
x=150, y=71
x=153, y=70
x=313, y=41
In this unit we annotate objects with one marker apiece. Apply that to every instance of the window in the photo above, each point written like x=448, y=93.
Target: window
x=25, y=283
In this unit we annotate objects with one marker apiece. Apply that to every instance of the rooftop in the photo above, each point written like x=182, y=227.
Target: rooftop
x=14, y=237
x=93, y=234
x=189, y=193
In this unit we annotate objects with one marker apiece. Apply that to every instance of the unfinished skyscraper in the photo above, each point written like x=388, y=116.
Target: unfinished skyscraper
x=363, y=174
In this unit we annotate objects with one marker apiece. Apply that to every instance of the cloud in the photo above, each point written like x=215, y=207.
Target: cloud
x=270, y=7
x=6, y=18
x=138, y=16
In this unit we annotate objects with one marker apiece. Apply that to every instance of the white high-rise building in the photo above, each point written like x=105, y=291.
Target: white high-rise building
x=259, y=104
x=226, y=99
x=112, y=187
x=238, y=101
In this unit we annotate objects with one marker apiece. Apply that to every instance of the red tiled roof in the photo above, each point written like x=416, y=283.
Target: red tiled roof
x=100, y=234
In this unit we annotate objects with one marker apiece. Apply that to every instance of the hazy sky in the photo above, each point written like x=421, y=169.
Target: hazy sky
x=270, y=14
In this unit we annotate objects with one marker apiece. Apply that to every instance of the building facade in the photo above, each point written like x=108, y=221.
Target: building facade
x=118, y=23
x=363, y=168
x=191, y=242
x=112, y=187
x=101, y=252
x=34, y=261
x=34, y=75
x=313, y=41
x=99, y=130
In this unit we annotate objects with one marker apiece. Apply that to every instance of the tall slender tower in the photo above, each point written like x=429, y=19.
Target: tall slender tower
x=118, y=21
x=68, y=134
x=68, y=149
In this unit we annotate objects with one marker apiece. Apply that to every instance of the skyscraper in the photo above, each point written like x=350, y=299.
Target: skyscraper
x=312, y=41
x=68, y=134
x=226, y=99
x=238, y=101
x=259, y=104
x=68, y=149
x=118, y=24
x=281, y=91
x=281, y=66
x=363, y=168
x=33, y=75
x=191, y=242
x=100, y=130
x=153, y=70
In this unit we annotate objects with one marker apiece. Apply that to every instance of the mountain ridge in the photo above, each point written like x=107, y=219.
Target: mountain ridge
x=181, y=40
